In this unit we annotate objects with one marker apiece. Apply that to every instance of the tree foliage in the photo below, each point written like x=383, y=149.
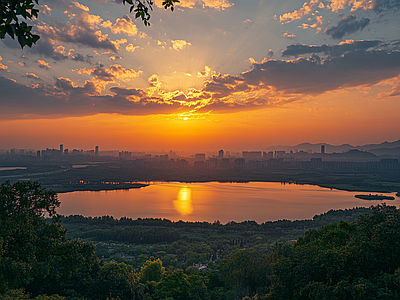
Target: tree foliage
x=245, y=269
x=12, y=11
x=343, y=261
x=35, y=253
x=142, y=8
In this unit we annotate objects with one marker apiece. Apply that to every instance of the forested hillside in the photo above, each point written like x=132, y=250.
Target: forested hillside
x=328, y=257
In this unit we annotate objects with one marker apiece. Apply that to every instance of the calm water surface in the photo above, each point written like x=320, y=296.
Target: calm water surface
x=259, y=201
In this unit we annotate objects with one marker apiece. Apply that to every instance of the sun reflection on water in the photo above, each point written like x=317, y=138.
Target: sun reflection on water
x=183, y=204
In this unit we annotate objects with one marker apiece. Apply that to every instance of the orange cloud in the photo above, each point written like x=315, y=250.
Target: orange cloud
x=336, y=5
x=363, y=4
x=298, y=14
x=125, y=26
x=44, y=9
x=81, y=6
x=104, y=76
x=31, y=75
x=179, y=44
x=117, y=43
x=43, y=64
x=2, y=67
x=207, y=72
x=131, y=48
x=61, y=50
x=289, y=35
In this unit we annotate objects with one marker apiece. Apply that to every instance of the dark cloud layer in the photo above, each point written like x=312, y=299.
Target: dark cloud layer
x=45, y=48
x=333, y=50
x=65, y=99
x=80, y=34
x=346, y=26
x=312, y=76
x=127, y=92
x=386, y=5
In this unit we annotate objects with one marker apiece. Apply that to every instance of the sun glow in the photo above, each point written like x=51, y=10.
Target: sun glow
x=183, y=204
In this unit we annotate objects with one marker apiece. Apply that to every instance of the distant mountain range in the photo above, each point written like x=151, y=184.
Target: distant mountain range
x=385, y=148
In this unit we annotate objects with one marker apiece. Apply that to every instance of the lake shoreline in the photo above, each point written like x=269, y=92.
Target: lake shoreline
x=97, y=188
x=110, y=187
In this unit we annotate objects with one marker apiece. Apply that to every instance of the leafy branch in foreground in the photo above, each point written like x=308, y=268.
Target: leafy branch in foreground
x=142, y=8
x=11, y=12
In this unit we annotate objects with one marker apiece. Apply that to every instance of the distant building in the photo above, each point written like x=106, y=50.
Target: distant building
x=61, y=148
x=199, y=165
x=280, y=154
x=200, y=157
x=96, y=151
x=270, y=154
x=252, y=154
x=225, y=163
x=240, y=162
x=211, y=163
x=221, y=154
x=182, y=164
x=323, y=149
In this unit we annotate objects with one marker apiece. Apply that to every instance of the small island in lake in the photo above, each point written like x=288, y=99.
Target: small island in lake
x=374, y=197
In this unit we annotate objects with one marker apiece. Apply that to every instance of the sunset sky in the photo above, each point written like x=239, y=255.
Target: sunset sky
x=213, y=74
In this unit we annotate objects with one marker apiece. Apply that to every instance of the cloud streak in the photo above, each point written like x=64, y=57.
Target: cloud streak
x=333, y=50
x=346, y=26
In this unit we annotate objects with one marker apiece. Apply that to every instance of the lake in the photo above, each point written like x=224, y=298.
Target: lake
x=210, y=201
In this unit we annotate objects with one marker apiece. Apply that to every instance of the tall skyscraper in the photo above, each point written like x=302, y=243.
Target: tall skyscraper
x=61, y=148
x=96, y=151
x=322, y=149
x=221, y=154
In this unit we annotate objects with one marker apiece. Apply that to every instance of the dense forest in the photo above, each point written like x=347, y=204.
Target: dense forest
x=345, y=254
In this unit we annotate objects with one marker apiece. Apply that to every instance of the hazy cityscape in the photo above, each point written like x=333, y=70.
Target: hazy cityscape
x=383, y=156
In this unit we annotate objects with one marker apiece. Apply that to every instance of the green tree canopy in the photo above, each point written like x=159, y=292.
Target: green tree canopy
x=245, y=269
x=358, y=260
x=151, y=271
x=35, y=253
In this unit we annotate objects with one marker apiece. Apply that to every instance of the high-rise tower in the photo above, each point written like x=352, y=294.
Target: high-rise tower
x=221, y=154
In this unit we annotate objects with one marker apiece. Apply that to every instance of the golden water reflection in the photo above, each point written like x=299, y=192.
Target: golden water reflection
x=210, y=201
x=183, y=204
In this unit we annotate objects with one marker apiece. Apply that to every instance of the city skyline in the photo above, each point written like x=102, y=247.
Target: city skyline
x=221, y=74
x=220, y=153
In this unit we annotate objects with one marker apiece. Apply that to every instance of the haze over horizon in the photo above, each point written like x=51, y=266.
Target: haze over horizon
x=329, y=148
x=221, y=74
